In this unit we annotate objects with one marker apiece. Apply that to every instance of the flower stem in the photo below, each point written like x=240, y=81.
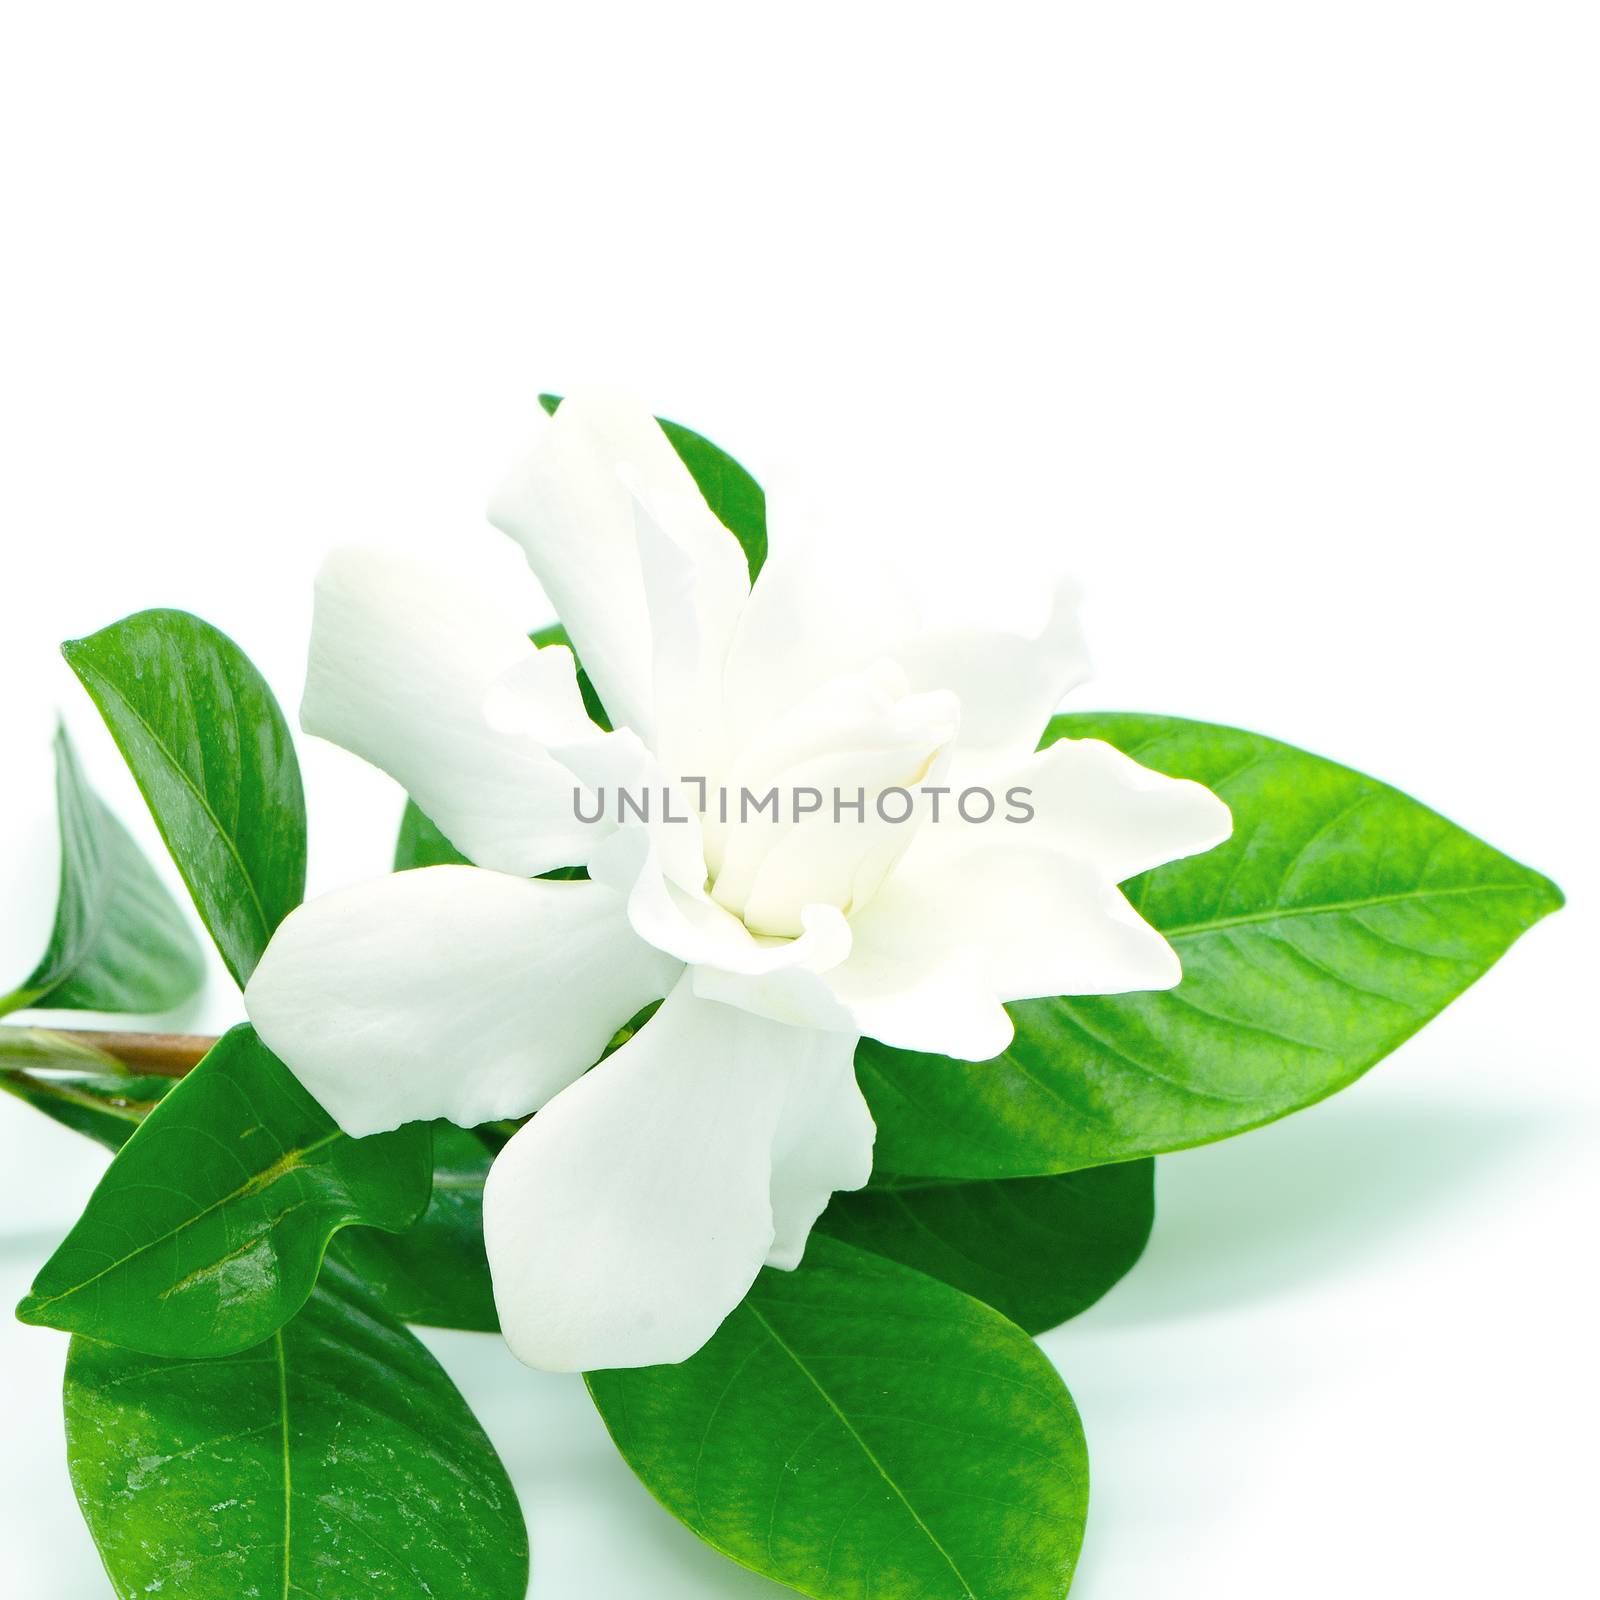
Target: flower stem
x=164, y=1055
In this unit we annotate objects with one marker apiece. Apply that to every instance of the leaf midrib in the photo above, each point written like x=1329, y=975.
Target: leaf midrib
x=866, y=1449
x=1190, y=930
x=288, y=1474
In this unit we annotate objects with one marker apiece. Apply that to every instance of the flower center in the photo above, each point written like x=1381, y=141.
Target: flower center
x=821, y=804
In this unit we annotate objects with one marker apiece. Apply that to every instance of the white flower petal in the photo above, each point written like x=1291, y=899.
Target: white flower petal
x=855, y=737
x=1028, y=919
x=977, y=914
x=571, y=505
x=809, y=619
x=791, y=989
x=1100, y=806
x=694, y=605
x=1008, y=684
x=823, y=1144
x=450, y=992
x=632, y=1214
x=954, y=932
x=933, y=1001
x=691, y=926
x=618, y=764
x=402, y=659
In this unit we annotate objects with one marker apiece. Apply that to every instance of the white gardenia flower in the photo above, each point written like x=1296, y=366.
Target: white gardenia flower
x=634, y=1210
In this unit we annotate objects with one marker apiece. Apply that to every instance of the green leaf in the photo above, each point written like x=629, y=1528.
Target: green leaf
x=420, y=843
x=206, y=1232
x=1339, y=918
x=436, y=1272
x=105, y=1107
x=118, y=943
x=736, y=499
x=213, y=757
x=861, y=1432
x=1039, y=1250
x=554, y=633
x=335, y=1460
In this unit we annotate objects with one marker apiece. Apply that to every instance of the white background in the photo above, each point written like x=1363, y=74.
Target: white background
x=1275, y=323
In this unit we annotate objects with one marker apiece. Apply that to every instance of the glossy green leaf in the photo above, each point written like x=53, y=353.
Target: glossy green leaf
x=206, y=1232
x=862, y=1432
x=1040, y=1250
x=435, y=1272
x=432, y=1272
x=334, y=1461
x=118, y=942
x=554, y=633
x=104, y=1107
x=212, y=755
x=1339, y=918
x=420, y=843
x=736, y=499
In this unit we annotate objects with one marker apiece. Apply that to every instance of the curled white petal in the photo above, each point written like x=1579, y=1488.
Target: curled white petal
x=1009, y=684
x=1097, y=805
x=979, y=914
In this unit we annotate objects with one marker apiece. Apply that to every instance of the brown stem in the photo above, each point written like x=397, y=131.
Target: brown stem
x=165, y=1055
